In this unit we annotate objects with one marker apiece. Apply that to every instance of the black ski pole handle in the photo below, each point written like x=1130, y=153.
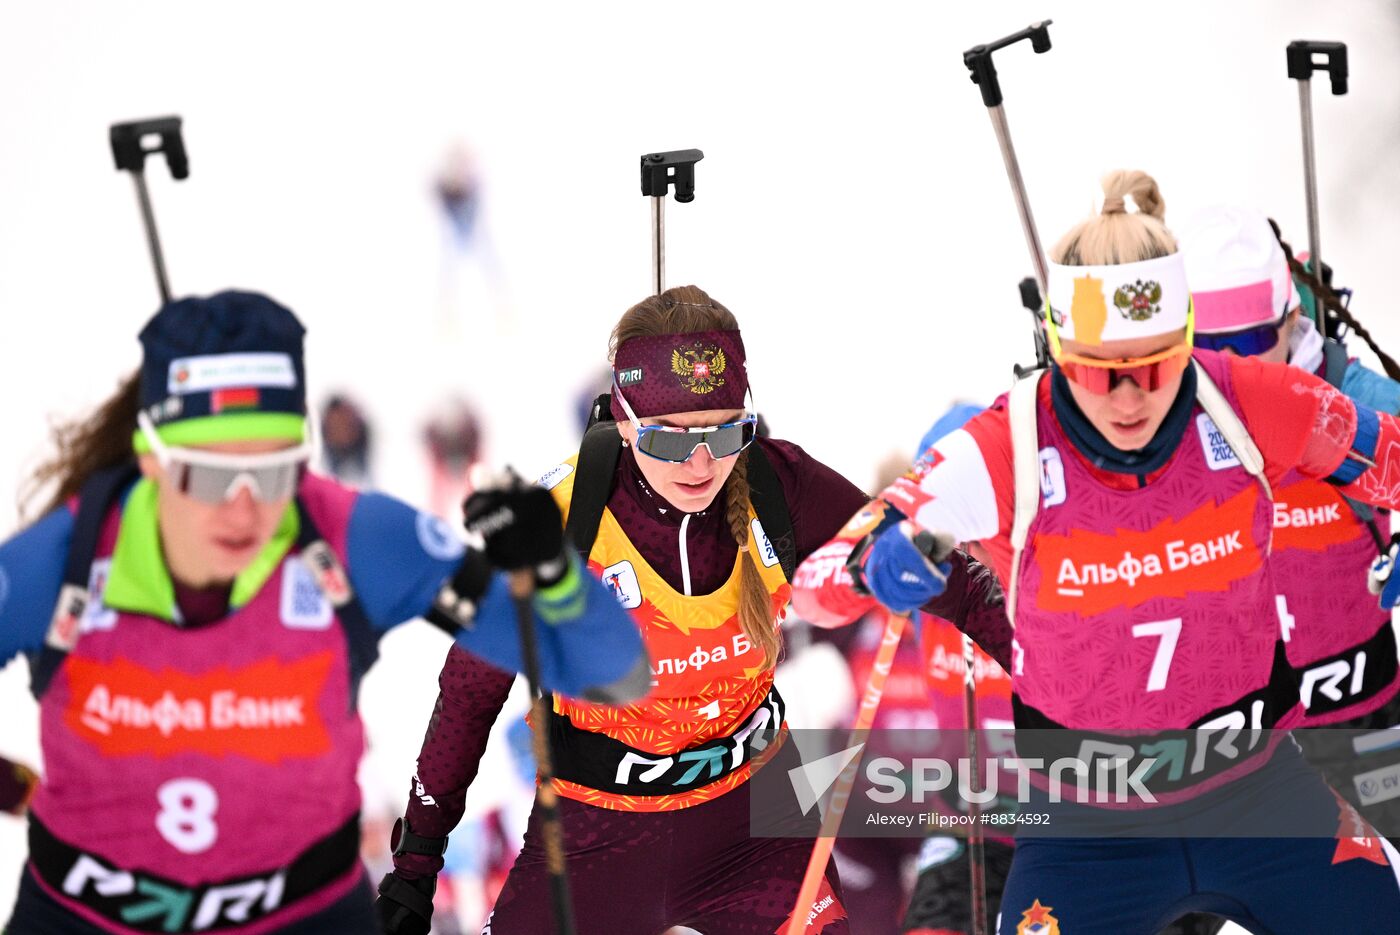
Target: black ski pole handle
x=1303, y=57
x=978, y=59
x=661, y=170
x=1030, y=297
x=1033, y=303
x=133, y=142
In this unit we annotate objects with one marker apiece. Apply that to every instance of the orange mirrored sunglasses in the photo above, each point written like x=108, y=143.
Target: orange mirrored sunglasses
x=1100, y=376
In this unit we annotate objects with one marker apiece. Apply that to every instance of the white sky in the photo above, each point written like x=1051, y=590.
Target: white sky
x=852, y=209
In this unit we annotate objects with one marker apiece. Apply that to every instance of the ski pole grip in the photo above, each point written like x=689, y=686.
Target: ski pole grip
x=978, y=59
x=133, y=142
x=1303, y=55
x=660, y=170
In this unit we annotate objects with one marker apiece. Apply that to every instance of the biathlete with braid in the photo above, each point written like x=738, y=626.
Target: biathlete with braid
x=1251, y=295
x=1126, y=498
x=696, y=526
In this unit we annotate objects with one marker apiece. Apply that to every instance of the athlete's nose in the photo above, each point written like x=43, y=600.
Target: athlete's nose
x=242, y=510
x=1126, y=395
x=701, y=461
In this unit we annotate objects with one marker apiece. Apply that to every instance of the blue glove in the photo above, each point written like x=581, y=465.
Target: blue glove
x=1383, y=581
x=899, y=572
x=589, y=646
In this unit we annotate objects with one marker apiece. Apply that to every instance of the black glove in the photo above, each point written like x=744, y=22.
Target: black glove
x=405, y=907
x=521, y=526
x=17, y=785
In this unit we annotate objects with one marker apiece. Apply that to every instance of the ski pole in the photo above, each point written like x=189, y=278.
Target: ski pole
x=659, y=171
x=1302, y=62
x=522, y=589
x=841, y=789
x=978, y=60
x=131, y=144
x=976, y=841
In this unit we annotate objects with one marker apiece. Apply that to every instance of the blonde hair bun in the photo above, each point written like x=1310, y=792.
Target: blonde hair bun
x=1122, y=184
x=1116, y=235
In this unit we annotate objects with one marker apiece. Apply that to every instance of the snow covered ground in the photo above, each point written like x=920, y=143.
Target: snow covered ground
x=851, y=209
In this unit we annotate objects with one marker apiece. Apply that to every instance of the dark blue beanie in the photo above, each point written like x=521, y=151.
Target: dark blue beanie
x=225, y=367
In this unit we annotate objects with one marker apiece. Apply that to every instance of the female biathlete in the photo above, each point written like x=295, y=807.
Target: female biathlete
x=1340, y=643
x=198, y=611
x=1126, y=498
x=691, y=524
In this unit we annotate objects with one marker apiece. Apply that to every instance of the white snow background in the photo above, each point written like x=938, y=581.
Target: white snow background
x=852, y=208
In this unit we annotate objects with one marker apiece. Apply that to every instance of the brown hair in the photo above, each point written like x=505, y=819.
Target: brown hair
x=685, y=310
x=85, y=446
x=890, y=469
x=1327, y=299
x=1113, y=235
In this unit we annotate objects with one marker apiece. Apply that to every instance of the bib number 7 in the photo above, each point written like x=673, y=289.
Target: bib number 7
x=1167, y=633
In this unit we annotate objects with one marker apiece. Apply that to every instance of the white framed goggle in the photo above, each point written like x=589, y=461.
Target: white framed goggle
x=215, y=477
x=676, y=444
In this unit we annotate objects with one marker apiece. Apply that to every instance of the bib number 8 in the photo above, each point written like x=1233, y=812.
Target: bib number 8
x=186, y=818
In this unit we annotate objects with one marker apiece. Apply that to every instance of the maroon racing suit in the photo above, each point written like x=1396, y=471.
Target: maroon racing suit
x=644, y=871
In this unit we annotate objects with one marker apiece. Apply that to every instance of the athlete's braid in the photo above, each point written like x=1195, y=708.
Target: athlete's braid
x=755, y=606
x=1326, y=298
x=84, y=446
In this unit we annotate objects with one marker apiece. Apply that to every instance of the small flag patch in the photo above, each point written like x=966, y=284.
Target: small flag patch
x=243, y=397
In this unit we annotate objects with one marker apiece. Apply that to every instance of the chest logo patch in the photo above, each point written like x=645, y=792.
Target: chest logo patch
x=766, y=553
x=1219, y=454
x=438, y=539
x=1052, y=477
x=304, y=607
x=621, y=579
x=95, y=615
x=555, y=476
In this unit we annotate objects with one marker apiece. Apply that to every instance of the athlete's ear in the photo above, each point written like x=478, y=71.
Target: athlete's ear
x=628, y=431
x=150, y=467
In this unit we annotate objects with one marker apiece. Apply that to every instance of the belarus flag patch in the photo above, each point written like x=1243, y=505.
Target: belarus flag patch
x=234, y=400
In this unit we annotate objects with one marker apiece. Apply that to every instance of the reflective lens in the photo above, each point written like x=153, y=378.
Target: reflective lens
x=1245, y=343
x=213, y=484
x=666, y=443
x=1101, y=379
x=1100, y=376
x=214, y=477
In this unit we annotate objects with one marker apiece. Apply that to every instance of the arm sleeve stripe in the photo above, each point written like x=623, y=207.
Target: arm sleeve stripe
x=1368, y=428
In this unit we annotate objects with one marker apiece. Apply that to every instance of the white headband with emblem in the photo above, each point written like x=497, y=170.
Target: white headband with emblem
x=1094, y=304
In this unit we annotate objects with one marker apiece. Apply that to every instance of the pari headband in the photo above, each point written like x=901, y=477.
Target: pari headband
x=666, y=373
x=1094, y=304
